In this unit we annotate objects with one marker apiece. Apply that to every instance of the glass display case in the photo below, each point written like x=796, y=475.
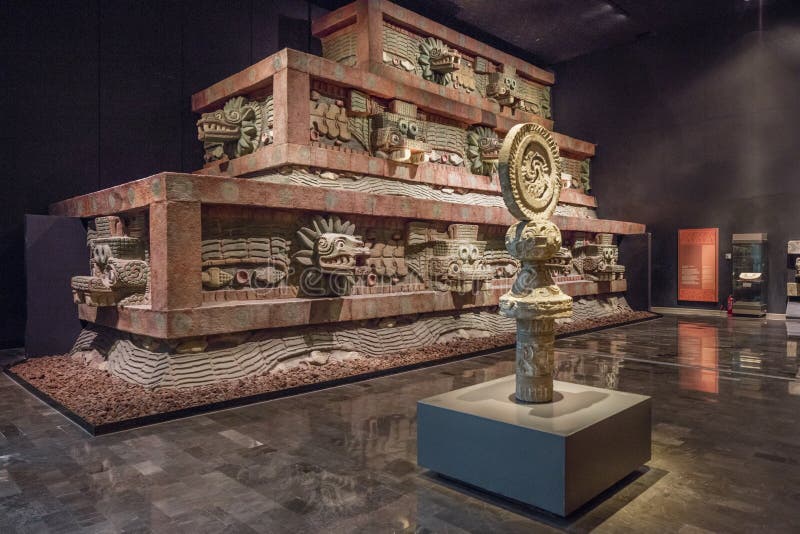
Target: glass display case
x=750, y=274
x=793, y=289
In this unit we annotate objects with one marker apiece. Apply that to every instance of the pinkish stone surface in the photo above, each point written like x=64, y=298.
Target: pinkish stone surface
x=219, y=190
x=175, y=255
x=229, y=254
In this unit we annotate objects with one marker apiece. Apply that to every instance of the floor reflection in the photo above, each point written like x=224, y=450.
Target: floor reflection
x=698, y=354
x=599, y=366
x=747, y=359
x=589, y=370
x=726, y=444
x=791, y=359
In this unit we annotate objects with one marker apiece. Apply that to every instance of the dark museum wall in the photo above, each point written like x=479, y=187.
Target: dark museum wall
x=697, y=128
x=97, y=93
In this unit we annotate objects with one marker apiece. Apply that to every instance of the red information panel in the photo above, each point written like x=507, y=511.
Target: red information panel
x=698, y=252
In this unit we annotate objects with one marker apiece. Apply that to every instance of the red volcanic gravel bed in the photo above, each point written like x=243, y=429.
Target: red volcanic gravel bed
x=100, y=398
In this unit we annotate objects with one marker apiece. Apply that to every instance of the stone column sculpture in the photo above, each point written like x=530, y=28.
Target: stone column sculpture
x=530, y=176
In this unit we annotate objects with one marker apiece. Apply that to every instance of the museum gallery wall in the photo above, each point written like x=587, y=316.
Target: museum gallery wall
x=698, y=126
x=347, y=210
x=117, y=105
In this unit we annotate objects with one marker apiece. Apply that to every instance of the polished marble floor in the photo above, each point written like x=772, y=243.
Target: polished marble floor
x=726, y=450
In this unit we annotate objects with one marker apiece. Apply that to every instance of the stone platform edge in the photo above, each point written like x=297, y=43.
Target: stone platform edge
x=243, y=315
x=272, y=157
x=177, y=187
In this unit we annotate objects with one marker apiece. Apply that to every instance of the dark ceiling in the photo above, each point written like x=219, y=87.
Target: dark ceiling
x=551, y=31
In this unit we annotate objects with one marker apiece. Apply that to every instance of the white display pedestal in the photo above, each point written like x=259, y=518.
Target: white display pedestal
x=555, y=456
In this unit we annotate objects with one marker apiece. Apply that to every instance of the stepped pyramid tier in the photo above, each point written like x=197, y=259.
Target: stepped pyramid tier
x=337, y=194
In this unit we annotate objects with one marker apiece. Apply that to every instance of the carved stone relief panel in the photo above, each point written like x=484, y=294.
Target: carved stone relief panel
x=597, y=259
x=402, y=133
x=240, y=127
x=349, y=119
x=397, y=130
x=575, y=174
x=483, y=149
x=496, y=255
x=329, y=253
x=152, y=362
x=260, y=253
x=341, y=48
x=586, y=185
x=330, y=119
x=443, y=64
x=451, y=260
x=241, y=251
x=256, y=261
x=401, y=48
x=511, y=90
x=118, y=262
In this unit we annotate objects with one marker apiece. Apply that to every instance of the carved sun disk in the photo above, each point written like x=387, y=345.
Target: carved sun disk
x=530, y=172
x=534, y=171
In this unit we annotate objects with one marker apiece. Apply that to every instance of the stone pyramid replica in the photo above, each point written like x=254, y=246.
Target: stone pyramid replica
x=349, y=207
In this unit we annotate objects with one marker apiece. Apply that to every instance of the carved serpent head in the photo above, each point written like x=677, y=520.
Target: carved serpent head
x=502, y=88
x=234, y=130
x=483, y=150
x=436, y=56
x=398, y=136
x=336, y=253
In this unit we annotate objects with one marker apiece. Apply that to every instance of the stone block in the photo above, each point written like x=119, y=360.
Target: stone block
x=175, y=255
x=555, y=456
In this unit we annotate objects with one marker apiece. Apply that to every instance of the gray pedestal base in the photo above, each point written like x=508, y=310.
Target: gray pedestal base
x=554, y=456
x=793, y=318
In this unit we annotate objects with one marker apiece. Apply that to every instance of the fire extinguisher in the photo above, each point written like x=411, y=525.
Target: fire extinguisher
x=730, y=304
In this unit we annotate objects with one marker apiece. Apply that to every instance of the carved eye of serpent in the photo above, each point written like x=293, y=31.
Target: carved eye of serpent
x=241, y=114
x=340, y=243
